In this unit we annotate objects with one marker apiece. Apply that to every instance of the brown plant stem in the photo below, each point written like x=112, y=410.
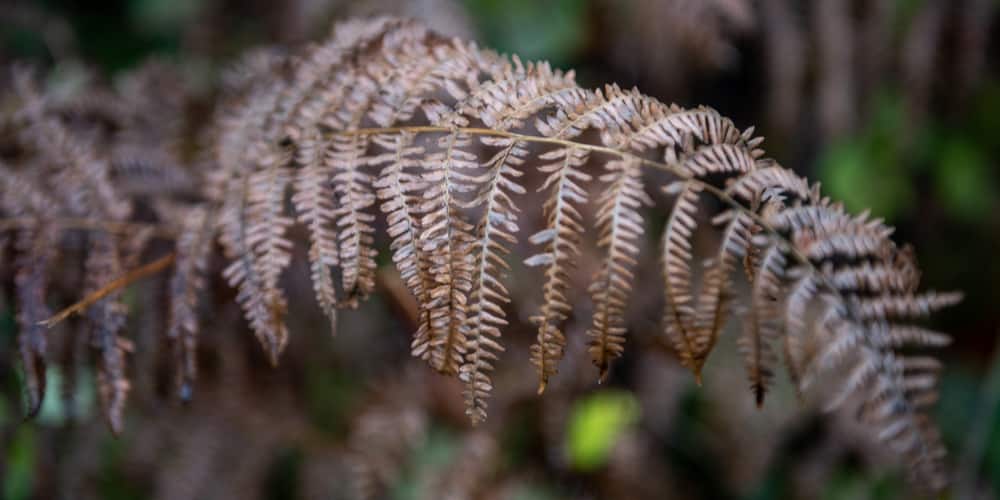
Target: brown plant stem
x=119, y=283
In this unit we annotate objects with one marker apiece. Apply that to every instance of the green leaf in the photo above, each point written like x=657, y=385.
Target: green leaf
x=596, y=424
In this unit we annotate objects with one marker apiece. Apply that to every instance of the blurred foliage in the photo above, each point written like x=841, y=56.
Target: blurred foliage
x=532, y=29
x=20, y=459
x=865, y=171
x=434, y=453
x=329, y=393
x=595, y=425
x=877, y=168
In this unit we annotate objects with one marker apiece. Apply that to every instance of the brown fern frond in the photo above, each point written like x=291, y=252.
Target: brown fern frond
x=494, y=232
x=194, y=247
x=562, y=238
x=60, y=188
x=443, y=136
x=263, y=229
x=237, y=130
x=619, y=227
x=399, y=188
x=106, y=318
x=353, y=189
x=313, y=201
x=446, y=239
x=504, y=104
x=716, y=293
x=36, y=252
x=762, y=327
x=679, y=310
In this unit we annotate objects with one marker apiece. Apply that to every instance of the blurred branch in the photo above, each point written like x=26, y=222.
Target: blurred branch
x=131, y=277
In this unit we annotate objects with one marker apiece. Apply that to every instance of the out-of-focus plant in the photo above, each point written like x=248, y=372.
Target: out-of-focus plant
x=866, y=171
x=595, y=426
x=552, y=30
x=875, y=168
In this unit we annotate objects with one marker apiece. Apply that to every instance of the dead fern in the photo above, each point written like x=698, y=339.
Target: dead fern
x=444, y=140
x=70, y=179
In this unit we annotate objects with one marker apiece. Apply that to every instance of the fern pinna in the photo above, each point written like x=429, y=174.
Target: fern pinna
x=440, y=140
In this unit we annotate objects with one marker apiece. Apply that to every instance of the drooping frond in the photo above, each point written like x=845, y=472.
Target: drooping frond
x=619, y=227
x=716, y=289
x=447, y=139
x=36, y=252
x=106, y=319
x=187, y=282
x=353, y=190
x=263, y=230
x=237, y=131
x=59, y=177
x=313, y=200
x=561, y=238
x=761, y=328
x=399, y=188
x=451, y=131
x=679, y=310
x=493, y=234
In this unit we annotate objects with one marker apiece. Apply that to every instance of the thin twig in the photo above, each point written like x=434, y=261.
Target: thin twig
x=119, y=283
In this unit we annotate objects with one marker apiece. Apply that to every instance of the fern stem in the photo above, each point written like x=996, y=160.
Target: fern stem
x=119, y=283
x=675, y=170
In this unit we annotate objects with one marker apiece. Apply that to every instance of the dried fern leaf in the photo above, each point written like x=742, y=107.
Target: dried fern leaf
x=106, y=319
x=264, y=231
x=762, y=326
x=619, y=227
x=353, y=189
x=713, y=300
x=238, y=127
x=399, y=188
x=494, y=234
x=313, y=201
x=194, y=248
x=561, y=238
x=36, y=251
x=446, y=239
x=679, y=309
x=439, y=132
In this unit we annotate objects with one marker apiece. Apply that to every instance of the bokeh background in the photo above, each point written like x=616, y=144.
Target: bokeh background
x=893, y=104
